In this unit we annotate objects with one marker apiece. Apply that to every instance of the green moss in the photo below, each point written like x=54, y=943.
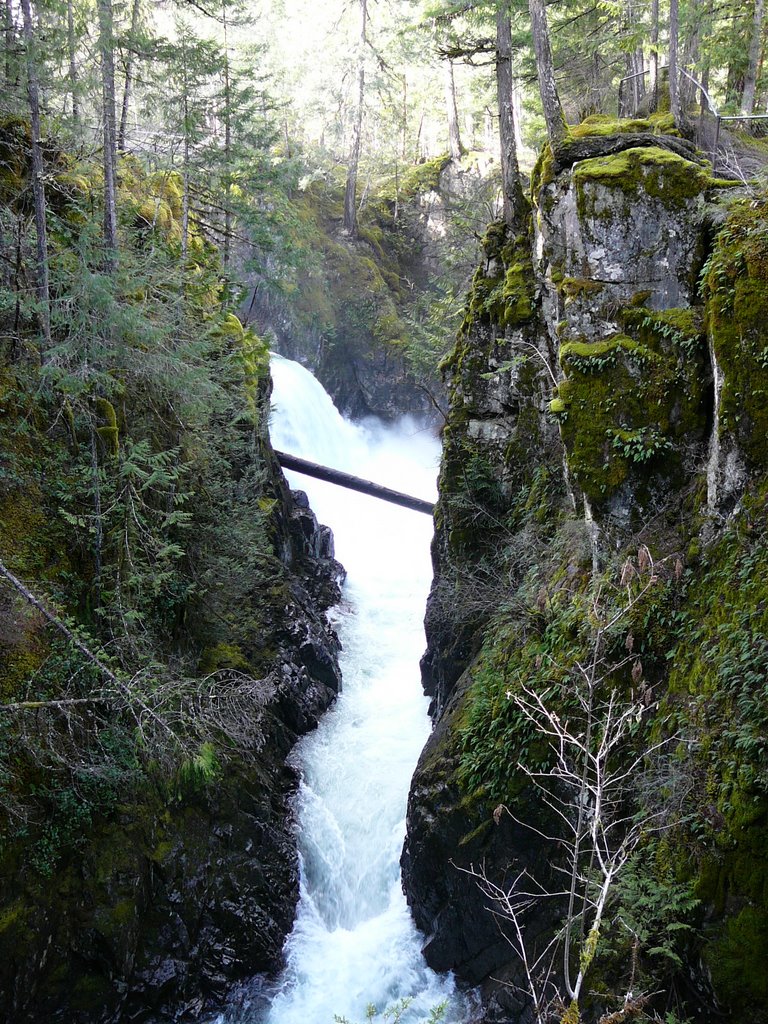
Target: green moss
x=108, y=431
x=558, y=406
x=682, y=329
x=657, y=172
x=717, y=695
x=577, y=287
x=736, y=290
x=595, y=356
x=13, y=916
x=415, y=180
x=501, y=294
x=123, y=913
x=737, y=961
x=543, y=172
x=222, y=656
x=604, y=124
x=162, y=851
x=571, y=1015
x=620, y=408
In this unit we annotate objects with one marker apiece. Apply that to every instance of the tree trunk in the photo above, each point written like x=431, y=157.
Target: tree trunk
x=185, y=168
x=755, y=46
x=404, y=135
x=550, y=100
x=107, y=55
x=698, y=20
x=738, y=43
x=417, y=147
x=454, y=138
x=511, y=188
x=634, y=61
x=654, y=82
x=10, y=74
x=72, y=54
x=38, y=171
x=98, y=520
x=674, y=94
x=350, y=193
x=129, y=62
x=227, y=247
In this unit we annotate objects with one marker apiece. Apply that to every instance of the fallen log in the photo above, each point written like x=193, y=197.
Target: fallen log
x=353, y=483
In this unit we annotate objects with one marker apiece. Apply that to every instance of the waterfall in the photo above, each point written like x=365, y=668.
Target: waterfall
x=353, y=943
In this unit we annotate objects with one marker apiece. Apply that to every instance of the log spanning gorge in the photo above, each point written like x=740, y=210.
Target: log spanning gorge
x=354, y=944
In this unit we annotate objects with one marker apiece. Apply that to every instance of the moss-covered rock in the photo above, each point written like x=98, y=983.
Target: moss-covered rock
x=524, y=579
x=736, y=290
x=631, y=410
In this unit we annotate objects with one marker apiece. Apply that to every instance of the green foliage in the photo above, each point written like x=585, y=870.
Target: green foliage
x=735, y=281
x=123, y=452
x=655, y=908
x=396, y=1011
x=631, y=400
x=200, y=770
x=641, y=445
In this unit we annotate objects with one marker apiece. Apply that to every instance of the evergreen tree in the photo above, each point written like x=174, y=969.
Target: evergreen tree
x=350, y=191
x=38, y=175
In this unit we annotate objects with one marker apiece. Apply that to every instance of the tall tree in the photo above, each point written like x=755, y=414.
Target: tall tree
x=8, y=27
x=227, y=113
x=130, y=59
x=107, y=58
x=72, y=56
x=674, y=33
x=511, y=188
x=755, y=48
x=189, y=68
x=38, y=174
x=545, y=67
x=655, y=52
x=454, y=137
x=350, y=192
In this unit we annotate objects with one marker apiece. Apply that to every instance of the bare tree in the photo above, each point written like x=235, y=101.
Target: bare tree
x=9, y=31
x=589, y=791
x=72, y=54
x=654, y=86
x=129, y=74
x=227, y=247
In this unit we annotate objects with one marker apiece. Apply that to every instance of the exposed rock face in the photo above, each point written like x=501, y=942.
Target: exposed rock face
x=583, y=418
x=172, y=902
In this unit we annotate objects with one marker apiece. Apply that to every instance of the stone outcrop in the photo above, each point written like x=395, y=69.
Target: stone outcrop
x=175, y=899
x=599, y=404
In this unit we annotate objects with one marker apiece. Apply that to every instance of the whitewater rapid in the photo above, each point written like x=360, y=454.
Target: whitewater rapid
x=354, y=944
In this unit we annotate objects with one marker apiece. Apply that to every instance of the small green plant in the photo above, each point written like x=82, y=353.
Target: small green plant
x=395, y=1012
x=639, y=445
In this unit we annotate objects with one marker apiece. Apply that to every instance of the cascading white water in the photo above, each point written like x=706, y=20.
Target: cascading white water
x=354, y=943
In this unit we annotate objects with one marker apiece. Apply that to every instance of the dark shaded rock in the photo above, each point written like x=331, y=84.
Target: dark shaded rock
x=190, y=888
x=450, y=842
